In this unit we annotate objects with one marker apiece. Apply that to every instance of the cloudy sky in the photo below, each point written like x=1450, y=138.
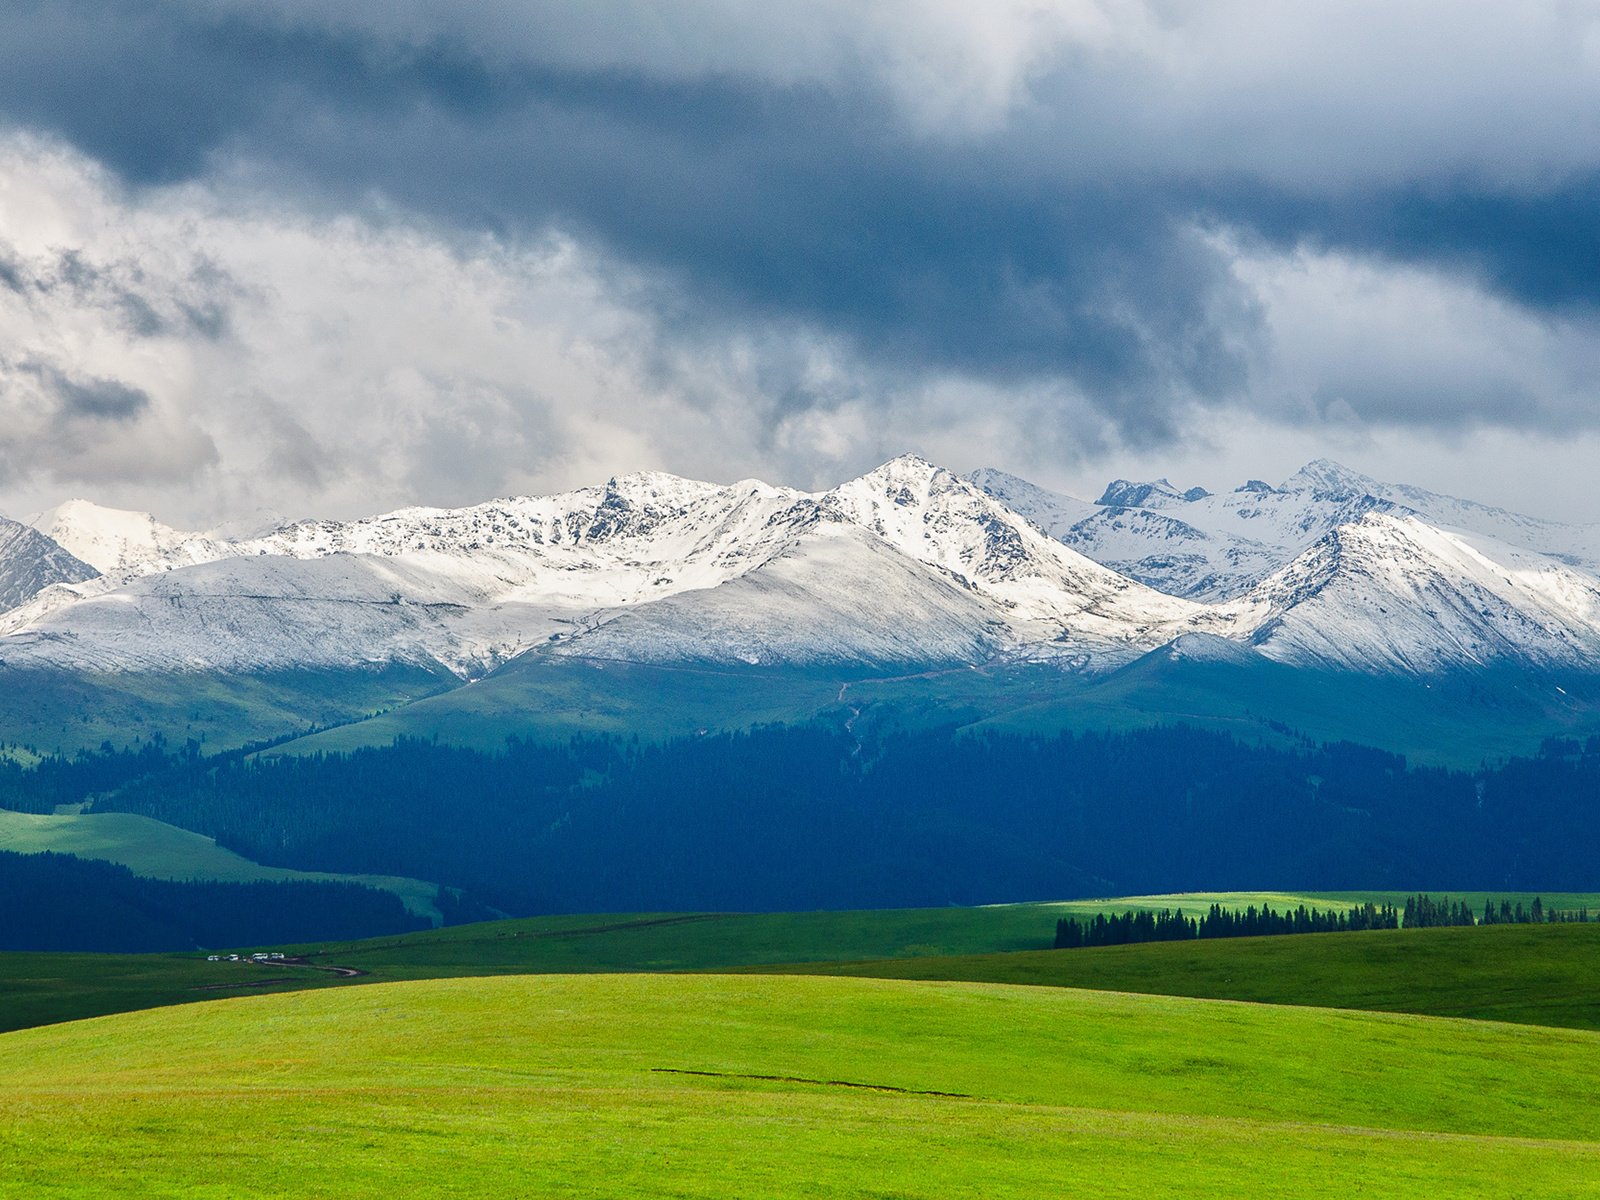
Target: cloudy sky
x=328, y=259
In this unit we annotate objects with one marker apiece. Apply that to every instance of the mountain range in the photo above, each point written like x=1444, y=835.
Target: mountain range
x=908, y=565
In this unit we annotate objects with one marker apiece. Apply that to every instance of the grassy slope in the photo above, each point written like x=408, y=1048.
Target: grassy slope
x=556, y=698
x=161, y=851
x=568, y=1085
x=41, y=988
x=1542, y=975
x=59, y=711
x=1457, y=722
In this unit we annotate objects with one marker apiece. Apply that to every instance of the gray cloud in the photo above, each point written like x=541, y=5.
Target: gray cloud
x=784, y=173
x=1090, y=226
x=95, y=399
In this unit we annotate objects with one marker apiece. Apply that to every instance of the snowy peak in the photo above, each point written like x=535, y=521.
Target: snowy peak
x=906, y=564
x=1389, y=592
x=116, y=541
x=948, y=522
x=1325, y=475
x=1575, y=545
x=1192, y=544
x=1126, y=493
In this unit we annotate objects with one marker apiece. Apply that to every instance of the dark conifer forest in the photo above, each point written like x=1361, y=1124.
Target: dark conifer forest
x=806, y=817
x=58, y=902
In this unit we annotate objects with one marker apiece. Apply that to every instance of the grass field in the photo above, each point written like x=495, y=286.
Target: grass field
x=717, y=1086
x=1534, y=974
x=1542, y=975
x=40, y=988
x=161, y=851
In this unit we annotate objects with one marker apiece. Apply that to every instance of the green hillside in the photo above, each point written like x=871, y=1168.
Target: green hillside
x=1533, y=974
x=160, y=851
x=1458, y=721
x=540, y=697
x=1549, y=969
x=69, y=711
x=39, y=989
x=718, y=1086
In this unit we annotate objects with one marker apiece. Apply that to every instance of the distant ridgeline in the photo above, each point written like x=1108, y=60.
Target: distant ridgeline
x=1421, y=912
x=785, y=818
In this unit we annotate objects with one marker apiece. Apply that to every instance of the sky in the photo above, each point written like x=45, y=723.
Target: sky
x=281, y=257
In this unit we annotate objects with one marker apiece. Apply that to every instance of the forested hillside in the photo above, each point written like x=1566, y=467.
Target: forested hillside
x=786, y=818
x=58, y=902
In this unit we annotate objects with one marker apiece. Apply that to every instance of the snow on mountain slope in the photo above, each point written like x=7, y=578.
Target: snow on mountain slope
x=836, y=595
x=31, y=562
x=1192, y=544
x=466, y=588
x=907, y=564
x=1053, y=512
x=275, y=613
x=1047, y=592
x=117, y=542
x=1389, y=592
x=1575, y=545
x=1129, y=493
x=638, y=538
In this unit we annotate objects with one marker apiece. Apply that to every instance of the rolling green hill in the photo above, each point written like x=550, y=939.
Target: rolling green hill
x=718, y=1086
x=540, y=697
x=1533, y=974
x=1538, y=975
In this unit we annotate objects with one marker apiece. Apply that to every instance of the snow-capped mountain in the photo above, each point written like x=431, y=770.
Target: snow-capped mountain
x=1391, y=593
x=120, y=543
x=31, y=562
x=1192, y=543
x=908, y=564
x=1575, y=545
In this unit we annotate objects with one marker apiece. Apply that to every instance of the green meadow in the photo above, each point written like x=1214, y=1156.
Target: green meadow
x=1531, y=974
x=1540, y=975
x=670, y=1085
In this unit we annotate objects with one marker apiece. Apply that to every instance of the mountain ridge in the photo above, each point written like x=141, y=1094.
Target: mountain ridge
x=908, y=563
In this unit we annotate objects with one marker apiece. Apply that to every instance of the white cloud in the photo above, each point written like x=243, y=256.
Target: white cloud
x=1361, y=342
x=339, y=365
x=204, y=351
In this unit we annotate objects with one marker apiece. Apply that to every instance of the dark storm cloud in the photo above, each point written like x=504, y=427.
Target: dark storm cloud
x=1541, y=250
x=91, y=398
x=1062, y=245
x=798, y=202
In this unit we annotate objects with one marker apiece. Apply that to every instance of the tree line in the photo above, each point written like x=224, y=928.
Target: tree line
x=1172, y=925
x=1421, y=911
